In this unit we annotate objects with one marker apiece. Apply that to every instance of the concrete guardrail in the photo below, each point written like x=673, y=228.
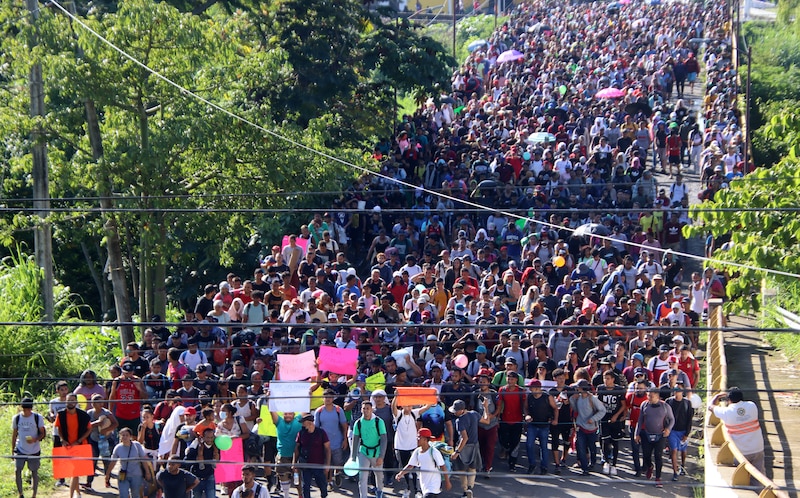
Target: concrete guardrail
x=720, y=450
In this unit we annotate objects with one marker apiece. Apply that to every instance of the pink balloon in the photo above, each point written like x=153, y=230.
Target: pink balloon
x=461, y=361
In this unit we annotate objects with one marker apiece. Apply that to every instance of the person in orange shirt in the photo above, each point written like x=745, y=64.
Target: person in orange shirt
x=74, y=427
x=206, y=423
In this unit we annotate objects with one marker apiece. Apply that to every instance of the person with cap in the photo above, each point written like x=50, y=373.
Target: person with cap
x=688, y=364
x=652, y=430
x=741, y=423
x=659, y=364
x=405, y=439
x=678, y=440
x=511, y=398
x=370, y=444
x=480, y=362
x=288, y=425
x=27, y=432
x=634, y=398
x=540, y=414
x=127, y=393
x=612, y=395
x=636, y=363
x=670, y=377
x=466, y=456
x=312, y=456
x=588, y=412
x=431, y=465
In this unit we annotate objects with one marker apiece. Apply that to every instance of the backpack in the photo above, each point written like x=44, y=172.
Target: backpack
x=15, y=421
x=373, y=449
x=254, y=446
x=256, y=490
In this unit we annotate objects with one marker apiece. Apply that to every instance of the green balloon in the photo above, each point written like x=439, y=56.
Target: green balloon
x=562, y=90
x=224, y=443
x=521, y=223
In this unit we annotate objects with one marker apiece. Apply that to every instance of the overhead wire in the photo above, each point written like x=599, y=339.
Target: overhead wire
x=363, y=169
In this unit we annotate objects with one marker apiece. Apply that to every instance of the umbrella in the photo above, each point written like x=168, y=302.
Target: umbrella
x=642, y=107
x=473, y=46
x=540, y=137
x=558, y=112
x=624, y=2
x=613, y=6
x=510, y=56
x=590, y=229
x=447, y=100
x=610, y=93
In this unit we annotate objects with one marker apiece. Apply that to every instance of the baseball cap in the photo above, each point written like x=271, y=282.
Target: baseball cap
x=481, y=349
x=535, y=383
x=638, y=356
x=511, y=360
x=678, y=338
x=361, y=378
x=432, y=338
x=640, y=371
x=127, y=367
x=458, y=405
x=583, y=384
x=672, y=359
x=663, y=347
x=190, y=411
x=425, y=432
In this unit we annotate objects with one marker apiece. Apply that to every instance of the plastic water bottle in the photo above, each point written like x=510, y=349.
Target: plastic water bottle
x=102, y=445
x=296, y=478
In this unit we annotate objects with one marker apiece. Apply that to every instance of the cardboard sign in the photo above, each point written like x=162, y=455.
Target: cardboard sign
x=229, y=468
x=298, y=366
x=266, y=427
x=416, y=396
x=289, y=397
x=338, y=360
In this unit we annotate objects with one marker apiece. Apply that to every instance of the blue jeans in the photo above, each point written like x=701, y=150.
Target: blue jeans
x=206, y=488
x=540, y=433
x=130, y=487
x=319, y=476
x=586, y=442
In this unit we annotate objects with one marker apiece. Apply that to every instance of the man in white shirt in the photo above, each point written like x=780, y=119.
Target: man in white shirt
x=741, y=422
x=431, y=465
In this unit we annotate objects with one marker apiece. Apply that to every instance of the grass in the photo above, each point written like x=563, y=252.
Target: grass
x=8, y=485
x=787, y=296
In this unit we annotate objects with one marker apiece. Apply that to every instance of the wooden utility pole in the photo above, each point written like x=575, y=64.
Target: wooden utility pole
x=43, y=236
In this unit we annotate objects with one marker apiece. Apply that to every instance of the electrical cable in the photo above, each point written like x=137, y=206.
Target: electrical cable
x=363, y=169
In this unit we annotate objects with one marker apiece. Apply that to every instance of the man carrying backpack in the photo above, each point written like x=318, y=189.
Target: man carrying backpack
x=27, y=432
x=313, y=454
x=370, y=441
x=431, y=464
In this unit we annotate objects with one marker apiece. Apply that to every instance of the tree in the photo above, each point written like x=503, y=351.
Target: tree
x=763, y=239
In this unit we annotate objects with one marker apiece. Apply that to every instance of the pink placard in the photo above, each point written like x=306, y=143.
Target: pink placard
x=298, y=366
x=229, y=468
x=303, y=243
x=338, y=360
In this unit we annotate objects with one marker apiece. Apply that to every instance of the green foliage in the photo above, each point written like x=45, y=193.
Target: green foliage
x=32, y=350
x=775, y=87
x=469, y=29
x=787, y=296
x=764, y=239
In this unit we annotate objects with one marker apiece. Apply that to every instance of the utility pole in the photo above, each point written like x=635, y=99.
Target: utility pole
x=43, y=236
x=453, y=11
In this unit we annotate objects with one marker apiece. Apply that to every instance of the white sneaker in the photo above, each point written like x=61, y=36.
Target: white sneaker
x=606, y=468
x=613, y=470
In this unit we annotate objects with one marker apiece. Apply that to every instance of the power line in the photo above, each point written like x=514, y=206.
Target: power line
x=363, y=169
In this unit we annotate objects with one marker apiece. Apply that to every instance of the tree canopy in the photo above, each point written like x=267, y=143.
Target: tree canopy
x=144, y=152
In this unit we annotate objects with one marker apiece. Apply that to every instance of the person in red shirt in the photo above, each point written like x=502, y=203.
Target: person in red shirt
x=634, y=400
x=674, y=149
x=127, y=393
x=511, y=399
x=688, y=364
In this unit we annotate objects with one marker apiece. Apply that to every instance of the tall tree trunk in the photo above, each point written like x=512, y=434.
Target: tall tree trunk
x=119, y=283
x=97, y=278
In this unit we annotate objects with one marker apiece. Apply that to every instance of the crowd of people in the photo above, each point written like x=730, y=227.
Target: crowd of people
x=571, y=327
